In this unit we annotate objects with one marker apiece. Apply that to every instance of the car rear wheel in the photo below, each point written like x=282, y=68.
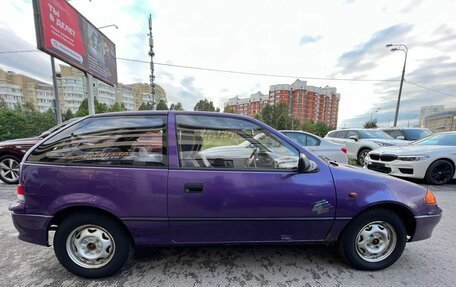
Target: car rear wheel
x=362, y=156
x=9, y=169
x=92, y=245
x=439, y=172
x=373, y=240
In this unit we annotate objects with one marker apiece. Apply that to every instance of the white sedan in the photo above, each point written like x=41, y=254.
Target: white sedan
x=319, y=146
x=432, y=158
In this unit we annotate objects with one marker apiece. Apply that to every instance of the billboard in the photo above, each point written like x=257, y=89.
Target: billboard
x=67, y=35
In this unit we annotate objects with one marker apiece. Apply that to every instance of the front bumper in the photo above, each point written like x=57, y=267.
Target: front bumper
x=415, y=169
x=32, y=228
x=425, y=224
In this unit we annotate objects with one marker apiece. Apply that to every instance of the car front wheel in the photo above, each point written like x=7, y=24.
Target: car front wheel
x=362, y=156
x=374, y=240
x=440, y=172
x=92, y=245
x=9, y=169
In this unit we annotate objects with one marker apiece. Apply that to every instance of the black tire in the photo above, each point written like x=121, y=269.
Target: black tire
x=439, y=172
x=6, y=177
x=361, y=155
x=349, y=241
x=120, y=254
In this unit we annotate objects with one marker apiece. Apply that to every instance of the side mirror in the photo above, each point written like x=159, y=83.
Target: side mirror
x=400, y=137
x=355, y=138
x=303, y=163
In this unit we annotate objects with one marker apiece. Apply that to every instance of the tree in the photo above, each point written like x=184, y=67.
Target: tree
x=67, y=115
x=205, y=105
x=162, y=105
x=146, y=107
x=177, y=107
x=275, y=116
x=83, y=109
x=371, y=124
x=319, y=129
x=229, y=110
x=24, y=121
x=3, y=104
x=117, y=107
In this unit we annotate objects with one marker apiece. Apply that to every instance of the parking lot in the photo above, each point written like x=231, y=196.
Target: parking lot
x=425, y=263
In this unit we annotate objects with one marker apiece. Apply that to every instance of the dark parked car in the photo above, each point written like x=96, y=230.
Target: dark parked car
x=12, y=151
x=114, y=181
x=408, y=134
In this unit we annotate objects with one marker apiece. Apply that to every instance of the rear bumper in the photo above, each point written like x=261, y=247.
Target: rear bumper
x=425, y=224
x=32, y=228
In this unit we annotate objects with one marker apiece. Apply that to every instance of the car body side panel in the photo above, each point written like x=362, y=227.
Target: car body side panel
x=372, y=190
x=136, y=195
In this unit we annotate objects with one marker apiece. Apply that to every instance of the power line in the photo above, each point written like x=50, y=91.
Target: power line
x=258, y=74
x=18, y=51
x=430, y=89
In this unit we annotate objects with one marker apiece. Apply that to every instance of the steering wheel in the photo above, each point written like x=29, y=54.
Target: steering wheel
x=252, y=158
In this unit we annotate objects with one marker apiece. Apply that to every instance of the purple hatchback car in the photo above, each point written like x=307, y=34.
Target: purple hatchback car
x=109, y=182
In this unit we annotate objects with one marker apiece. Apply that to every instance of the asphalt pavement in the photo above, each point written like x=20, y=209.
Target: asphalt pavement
x=426, y=263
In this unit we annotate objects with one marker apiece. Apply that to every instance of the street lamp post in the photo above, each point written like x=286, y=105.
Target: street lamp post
x=412, y=118
x=403, y=48
x=376, y=111
x=107, y=26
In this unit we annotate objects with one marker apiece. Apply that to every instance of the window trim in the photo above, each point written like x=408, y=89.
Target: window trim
x=165, y=139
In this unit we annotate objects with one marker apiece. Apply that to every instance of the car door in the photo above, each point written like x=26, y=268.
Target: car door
x=351, y=144
x=261, y=199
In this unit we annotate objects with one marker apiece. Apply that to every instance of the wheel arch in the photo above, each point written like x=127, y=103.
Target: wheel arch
x=65, y=212
x=363, y=148
x=404, y=213
x=451, y=161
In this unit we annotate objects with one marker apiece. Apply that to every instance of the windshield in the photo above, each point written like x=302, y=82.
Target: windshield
x=373, y=134
x=438, y=139
x=417, y=134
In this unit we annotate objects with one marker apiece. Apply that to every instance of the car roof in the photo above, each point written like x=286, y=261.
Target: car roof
x=390, y=129
x=166, y=112
x=301, y=132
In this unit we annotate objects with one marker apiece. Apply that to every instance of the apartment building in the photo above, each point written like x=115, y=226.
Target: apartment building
x=304, y=102
x=142, y=94
x=441, y=122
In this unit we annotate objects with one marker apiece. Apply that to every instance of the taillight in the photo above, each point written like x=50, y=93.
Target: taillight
x=344, y=149
x=20, y=192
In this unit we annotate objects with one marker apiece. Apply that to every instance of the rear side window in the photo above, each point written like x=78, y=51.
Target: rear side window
x=123, y=141
x=332, y=134
x=342, y=134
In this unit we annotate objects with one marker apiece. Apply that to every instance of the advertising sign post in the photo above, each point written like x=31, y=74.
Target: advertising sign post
x=58, y=113
x=65, y=34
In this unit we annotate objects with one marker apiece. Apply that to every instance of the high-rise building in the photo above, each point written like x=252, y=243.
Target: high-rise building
x=126, y=96
x=441, y=122
x=11, y=91
x=72, y=87
x=142, y=94
x=429, y=110
x=17, y=89
x=248, y=106
x=304, y=102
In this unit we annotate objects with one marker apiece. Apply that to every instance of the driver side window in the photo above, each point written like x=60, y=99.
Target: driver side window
x=215, y=142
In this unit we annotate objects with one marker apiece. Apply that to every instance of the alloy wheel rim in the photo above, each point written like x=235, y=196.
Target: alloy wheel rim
x=441, y=173
x=9, y=169
x=362, y=157
x=90, y=246
x=376, y=241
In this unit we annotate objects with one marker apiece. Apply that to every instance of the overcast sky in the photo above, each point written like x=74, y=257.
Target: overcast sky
x=330, y=39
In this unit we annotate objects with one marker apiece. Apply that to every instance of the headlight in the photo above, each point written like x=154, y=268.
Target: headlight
x=383, y=144
x=412, y=157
